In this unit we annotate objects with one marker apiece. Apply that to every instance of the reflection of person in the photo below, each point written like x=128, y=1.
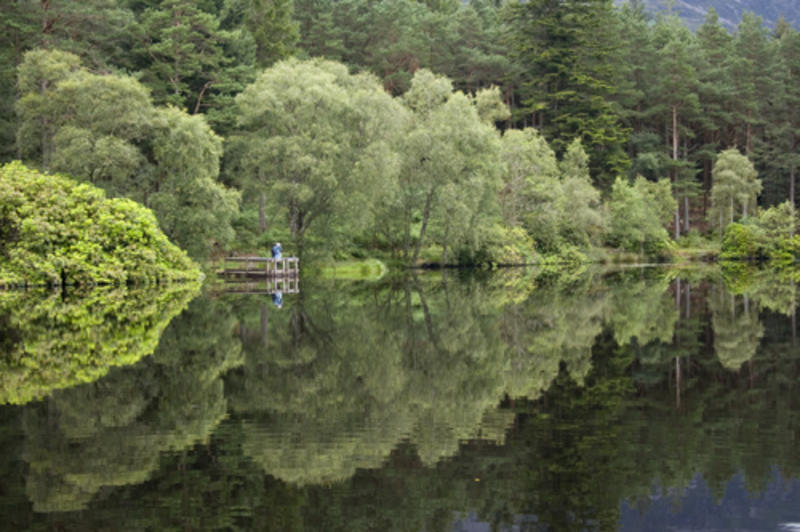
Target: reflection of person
x=277, y=298
x=277, y=250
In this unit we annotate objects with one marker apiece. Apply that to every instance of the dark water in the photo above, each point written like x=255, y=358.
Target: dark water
x=644, y=399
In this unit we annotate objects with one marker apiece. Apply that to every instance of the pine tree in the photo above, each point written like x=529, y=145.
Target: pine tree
x=568, y=52
x=677, y=93
x=715, y=92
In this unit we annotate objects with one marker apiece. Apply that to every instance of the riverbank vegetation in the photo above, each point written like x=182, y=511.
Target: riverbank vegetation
x=415, y=132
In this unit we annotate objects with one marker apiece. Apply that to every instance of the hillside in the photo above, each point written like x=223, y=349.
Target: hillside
x=730, y=11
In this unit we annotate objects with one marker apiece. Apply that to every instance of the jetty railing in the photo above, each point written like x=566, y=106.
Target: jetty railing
x=261, y=267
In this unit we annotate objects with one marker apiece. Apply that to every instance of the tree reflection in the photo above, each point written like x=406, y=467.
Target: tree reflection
x=340, y=382
x=52, y=340
x=110, y=432
x=737, y=329
x=405, y=404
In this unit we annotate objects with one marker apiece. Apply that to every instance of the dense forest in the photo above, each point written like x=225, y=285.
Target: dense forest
x=428, y=131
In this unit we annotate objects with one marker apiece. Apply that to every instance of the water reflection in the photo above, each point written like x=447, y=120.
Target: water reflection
x=51, y=340
x=594, y=401
x=110, y=432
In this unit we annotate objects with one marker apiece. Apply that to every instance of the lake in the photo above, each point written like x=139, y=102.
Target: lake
x=629, y=399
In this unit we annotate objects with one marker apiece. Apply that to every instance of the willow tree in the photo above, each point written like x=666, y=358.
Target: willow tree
x=449, y=158
x=737, y=328
x=105, y=130
x=735, y=185
x=637, y=214
x=531, y=193
x=317, y=142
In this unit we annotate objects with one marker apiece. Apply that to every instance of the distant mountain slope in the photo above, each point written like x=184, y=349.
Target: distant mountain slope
x=730, y=11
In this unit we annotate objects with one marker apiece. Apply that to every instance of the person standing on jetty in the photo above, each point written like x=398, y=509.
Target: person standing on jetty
x=277, y=250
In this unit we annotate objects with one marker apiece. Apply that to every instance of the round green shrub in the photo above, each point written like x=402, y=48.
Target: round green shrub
x=56, y=232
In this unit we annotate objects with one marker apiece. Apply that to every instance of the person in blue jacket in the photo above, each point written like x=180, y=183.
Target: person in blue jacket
x=277, y=250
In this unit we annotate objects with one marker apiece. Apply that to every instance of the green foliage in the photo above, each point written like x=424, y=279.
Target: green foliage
x=449, y=167
x=508, y=246
x=273, y=28
x=636, y=214
x=645, y=97
x=566, y=53
x=735, y=185
x=554, y=201
x=190, y=204
x=59, y=232
x=190, y=62
x=104, y=129
x=769, y=236
x=741, y=241
x=55, y=342
x=316, y=141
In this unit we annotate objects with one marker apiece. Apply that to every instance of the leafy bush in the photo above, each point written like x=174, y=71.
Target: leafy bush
x=637, y=214
x=768, y=236
x=503, y=245
x=741, y=241
x=56, y=231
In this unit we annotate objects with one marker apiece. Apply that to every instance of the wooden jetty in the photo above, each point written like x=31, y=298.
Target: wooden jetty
x=261, y=267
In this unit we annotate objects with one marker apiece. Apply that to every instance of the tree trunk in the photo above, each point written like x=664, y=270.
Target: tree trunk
x=685, y=213
x=791, y=189
x=262, y=217
x=794, y=326
x=426, y=214
x=791, y=175
x=407, y=237
x=677, y=382
x=675, y=140
x=688, y=300
x=794, y=316
x=675, y=136
x=206, y=85
x=677, y=222
x=748, y=138
x=731, y=210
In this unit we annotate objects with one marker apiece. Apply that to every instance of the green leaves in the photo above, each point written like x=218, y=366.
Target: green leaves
x=312, y=132
x=637, y=213
x=64, y=233
x=566, y=53
x=735, y=186
x=104, y=129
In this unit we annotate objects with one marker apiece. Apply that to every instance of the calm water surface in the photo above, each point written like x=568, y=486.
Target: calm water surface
x=643, y=399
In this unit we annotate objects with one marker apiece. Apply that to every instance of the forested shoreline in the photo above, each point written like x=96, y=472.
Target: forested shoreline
x=432, y=131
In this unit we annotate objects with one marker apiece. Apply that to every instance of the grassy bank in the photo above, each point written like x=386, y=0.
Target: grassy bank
x=351, y=270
